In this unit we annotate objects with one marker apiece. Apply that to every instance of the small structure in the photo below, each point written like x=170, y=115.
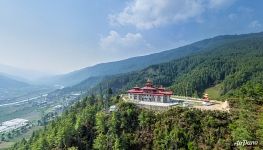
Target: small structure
x=149, y=93
x=13, y=124
x=57, y=108
x=205, y=97
x=113, y=108
x=206, y=101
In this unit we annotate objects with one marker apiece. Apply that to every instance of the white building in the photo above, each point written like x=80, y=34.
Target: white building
x=13, y=124
x=150, y=93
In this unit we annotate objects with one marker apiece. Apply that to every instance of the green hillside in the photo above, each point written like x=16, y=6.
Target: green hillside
x=236, y=66
x=85, y=126
x=6, y=82
x=214, y=91
x=233, y=65
x=137, y=63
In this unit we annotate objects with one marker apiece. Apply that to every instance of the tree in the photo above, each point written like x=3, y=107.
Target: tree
x=110, y=92
x=117, y=144
x=101, y=122
x=101, y=142
x=114, y=123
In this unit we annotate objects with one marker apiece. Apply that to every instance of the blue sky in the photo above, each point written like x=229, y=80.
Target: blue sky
x=59, y=36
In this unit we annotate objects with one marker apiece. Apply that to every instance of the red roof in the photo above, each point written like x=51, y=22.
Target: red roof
x=135, y=91
x=154, y=91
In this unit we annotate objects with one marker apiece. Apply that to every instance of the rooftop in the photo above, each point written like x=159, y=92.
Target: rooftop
x=12, y=124
x=158, y=91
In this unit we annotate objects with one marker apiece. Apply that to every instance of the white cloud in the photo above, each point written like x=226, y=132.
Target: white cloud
x=147, y=14
x=255, y=24
x=219, y=3
x=115, y=42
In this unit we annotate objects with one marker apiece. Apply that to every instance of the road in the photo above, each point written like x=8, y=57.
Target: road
x=21, y=101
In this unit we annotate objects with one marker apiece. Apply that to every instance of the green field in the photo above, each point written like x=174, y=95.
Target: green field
x=6, y=145
x=214, y=92
x=25, y=111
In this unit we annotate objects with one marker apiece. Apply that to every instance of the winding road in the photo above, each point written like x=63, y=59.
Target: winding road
x=21, y=101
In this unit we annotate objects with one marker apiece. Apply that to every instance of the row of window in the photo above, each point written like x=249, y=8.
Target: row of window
x=149, y=98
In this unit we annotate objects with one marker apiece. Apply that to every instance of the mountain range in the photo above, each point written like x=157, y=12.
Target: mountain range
x=23, y=75
x=232, y=63
x=204, y=48
x=7, y=82
x=88, y=77
x=137, y=63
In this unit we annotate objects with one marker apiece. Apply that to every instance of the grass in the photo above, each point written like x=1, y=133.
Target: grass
x=27, y=135
x=26, y=111
x=6, y=145
x=214, y=92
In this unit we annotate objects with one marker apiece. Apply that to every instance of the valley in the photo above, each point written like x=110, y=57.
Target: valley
x=131, y=75
x=38, y=107
x=231, y=76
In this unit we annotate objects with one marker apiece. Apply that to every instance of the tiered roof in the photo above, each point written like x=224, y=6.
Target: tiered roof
x=149, y=88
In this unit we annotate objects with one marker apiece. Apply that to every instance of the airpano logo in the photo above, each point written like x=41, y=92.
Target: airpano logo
x=246, y=143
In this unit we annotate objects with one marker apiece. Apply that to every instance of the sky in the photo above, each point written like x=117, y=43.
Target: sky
x=59, y=36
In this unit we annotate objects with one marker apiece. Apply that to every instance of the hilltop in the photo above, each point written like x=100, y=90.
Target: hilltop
x=138, y=63
x=7, y=82
x=232, y=65
x=235, y=65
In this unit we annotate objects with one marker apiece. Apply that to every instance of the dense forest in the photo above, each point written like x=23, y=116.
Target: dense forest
x=237, y=66
x=234, y=65
x=85, y=126
x=137, y=63
x=89, y=125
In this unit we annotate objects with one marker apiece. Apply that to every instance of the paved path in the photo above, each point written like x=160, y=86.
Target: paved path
x=215, y=105
x=20, y=102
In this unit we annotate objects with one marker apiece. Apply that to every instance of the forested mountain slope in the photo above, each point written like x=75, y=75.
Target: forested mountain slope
x=237, y=66
x=233, y=64
x=6, y=82
x=23, y=75
x=82, y=87
x=86, y=126
x=137, y=63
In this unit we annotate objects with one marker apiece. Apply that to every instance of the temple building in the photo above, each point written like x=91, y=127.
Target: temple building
x=150, y=93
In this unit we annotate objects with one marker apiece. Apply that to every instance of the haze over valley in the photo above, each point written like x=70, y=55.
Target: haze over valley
x=136, y=74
